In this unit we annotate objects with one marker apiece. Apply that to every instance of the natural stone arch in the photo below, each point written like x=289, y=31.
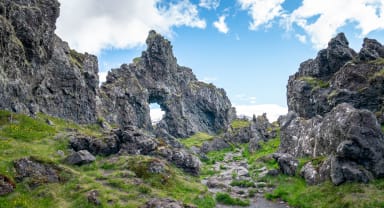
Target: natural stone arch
x=190, y=106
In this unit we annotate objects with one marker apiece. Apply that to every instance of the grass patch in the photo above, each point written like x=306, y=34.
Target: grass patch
x=122, y=181
x=298, y=194
x=315, y=83
x=196, y=140
x=224, y=198
x=240, y=123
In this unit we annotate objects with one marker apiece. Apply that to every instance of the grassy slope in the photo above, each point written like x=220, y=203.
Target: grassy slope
x=120, y=180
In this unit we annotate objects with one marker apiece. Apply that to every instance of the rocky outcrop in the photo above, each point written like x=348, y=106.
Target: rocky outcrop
x=190, y=106
x=287, y=163
x=134, y=141
x=37, y=172
x=38, y=71
x=349, y=138
x=338, y=75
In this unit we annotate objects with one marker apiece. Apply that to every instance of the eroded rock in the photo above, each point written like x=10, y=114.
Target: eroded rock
x=287, y=163
x=190, y=106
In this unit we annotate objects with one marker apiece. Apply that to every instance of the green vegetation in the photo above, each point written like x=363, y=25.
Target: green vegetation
x=315, y=83
x=122, y=181
x=196, y=140
x=240, y=123
x=76, y=59
x=224, y=198
x=377, y=74
x=136, y=60
x=379, y=61
x=242, y=183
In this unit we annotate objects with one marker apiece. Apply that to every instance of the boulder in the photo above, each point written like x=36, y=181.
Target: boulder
x=287, y=163
x=107, y=145
x=80, y=158
x=6, y=185
x=214, y=145
x=310, y=174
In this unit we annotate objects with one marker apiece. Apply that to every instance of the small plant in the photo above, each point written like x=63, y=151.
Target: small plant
x=240, y=123
x=226, y=199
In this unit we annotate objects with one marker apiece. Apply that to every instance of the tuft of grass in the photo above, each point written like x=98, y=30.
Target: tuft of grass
x=314, y=82
x=196, y=140
x=225, y=198
x=240, y=123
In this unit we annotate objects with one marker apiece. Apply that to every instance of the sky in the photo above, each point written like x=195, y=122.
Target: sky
x=248, y=47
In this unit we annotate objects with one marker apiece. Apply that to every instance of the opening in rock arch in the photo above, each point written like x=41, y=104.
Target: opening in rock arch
x=156, y=113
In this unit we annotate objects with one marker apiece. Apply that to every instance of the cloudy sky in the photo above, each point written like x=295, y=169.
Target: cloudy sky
x=247, y=47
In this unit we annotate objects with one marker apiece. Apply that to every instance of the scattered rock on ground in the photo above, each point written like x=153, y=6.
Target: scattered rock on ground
x=80, y=158
x=93, y=197
x=166, y=203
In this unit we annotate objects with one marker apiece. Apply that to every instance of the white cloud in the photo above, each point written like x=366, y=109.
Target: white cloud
x=301, y=38
x=220, y=25
x=90, y=25
x=102, y=76
x=321, y=19
x=209, y=4
x=273, y=111
x=263, y=12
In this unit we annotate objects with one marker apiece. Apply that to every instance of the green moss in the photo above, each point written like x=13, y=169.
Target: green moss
x=240, y=123
x=377, y=74
x=224, y=198
x=379, y=61
x=196, y=140
x=136, y=60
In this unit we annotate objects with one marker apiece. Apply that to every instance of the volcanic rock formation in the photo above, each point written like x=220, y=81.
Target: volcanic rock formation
x=323, y=122
x=38, y=71
x=190, y=106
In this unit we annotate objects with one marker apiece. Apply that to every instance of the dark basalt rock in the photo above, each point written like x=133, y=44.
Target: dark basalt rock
x=190, y=106
x=38, y=71
x=350, y=138
x=79, y=158
x=339, y=75
x=36, y=171
x=134, y=141
x=6, y=185
x=287, y=163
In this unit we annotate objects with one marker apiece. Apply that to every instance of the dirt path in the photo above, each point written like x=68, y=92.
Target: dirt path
x=233, y=169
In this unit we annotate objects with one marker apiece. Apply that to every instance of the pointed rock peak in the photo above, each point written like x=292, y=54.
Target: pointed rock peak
x=339, y=40
x=158, y=46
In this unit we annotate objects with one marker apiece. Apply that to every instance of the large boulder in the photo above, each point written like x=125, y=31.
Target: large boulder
x=190, y=106
x=38, y=71
x=352, y=139
x=287, y=163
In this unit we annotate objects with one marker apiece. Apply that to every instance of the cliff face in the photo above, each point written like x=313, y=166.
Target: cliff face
x=155, y=77
x=334, y=102
x=38, y=71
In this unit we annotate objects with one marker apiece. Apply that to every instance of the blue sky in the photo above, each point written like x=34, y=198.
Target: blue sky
x=247, y=47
